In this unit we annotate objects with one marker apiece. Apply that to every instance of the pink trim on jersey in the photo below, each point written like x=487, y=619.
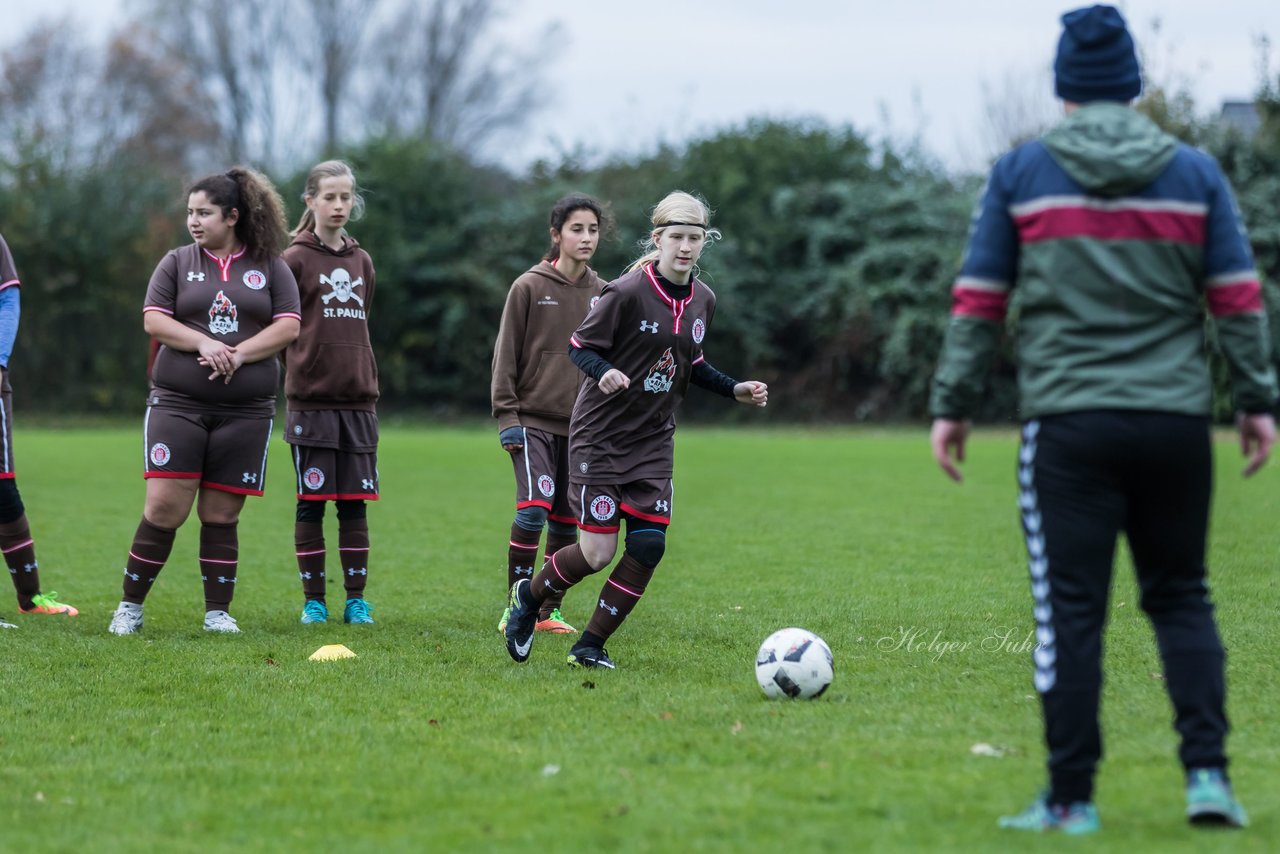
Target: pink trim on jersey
x=976, y=302
x=178, y=475
x=234, y=490
x=292, y=314
x=353, y=548
x=677, y=308
x=22, y=544
x=648, y=517
x=224, y=265
x=7, y=475
x=216, y=560
x=158, y=308
x=146, y=560
x=701, y=358
x=1239, y=298
x=10, y=284
x=624, y=589
x=573, y=339
x=1059, y=222
x=304, y=554
x=515, y=545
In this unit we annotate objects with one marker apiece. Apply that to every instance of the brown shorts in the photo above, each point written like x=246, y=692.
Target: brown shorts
x=599, y=507
x=6, y=426
x=353, y=430
x=325, y=474
x=542, y=474
x=229, y=454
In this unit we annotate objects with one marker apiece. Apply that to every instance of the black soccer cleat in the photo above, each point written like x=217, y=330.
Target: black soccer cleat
x=520, y=623
x=590, y=656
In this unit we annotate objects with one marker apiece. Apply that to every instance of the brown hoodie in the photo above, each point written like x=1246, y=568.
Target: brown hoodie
x=534, y=383
x=331, y=364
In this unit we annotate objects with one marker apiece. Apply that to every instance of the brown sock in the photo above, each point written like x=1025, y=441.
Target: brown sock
x=353, y=548
x=620, y=594
x=522, y=553
x=219, y=558
x=147, y=555
x=554, y=544
x=308, y=543
x=20, y=556
x=565, y=568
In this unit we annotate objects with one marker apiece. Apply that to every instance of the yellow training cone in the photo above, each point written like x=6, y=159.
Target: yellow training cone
x=332, y=652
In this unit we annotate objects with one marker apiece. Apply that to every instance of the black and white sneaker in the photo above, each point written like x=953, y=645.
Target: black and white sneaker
x=520, y=623
x=590, y=656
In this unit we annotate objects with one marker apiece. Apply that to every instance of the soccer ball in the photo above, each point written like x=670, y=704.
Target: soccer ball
x=793, y=663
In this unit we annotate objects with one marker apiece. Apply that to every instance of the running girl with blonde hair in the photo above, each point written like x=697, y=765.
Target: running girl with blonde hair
x=639, y=348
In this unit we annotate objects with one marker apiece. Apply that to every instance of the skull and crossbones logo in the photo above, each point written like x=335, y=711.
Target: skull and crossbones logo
x=343, y=287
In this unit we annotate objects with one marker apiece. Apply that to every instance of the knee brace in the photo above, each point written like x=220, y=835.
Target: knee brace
x=531, y=518
x=646, y=544
x=563, y=530
x=310, y=511
x=351, y=509
x=11, y=508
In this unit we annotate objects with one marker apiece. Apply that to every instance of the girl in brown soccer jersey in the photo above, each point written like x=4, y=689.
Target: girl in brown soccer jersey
x=534, y=385
x=222, y=307
x=331, y=385
x=15, y=535
x=640, y=347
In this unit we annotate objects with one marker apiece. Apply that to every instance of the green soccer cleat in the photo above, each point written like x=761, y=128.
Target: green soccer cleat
x=520, y=622
x=502, y=624
x=357, y=612
x=1210, y=800
x=1074, y=820
x=590, y=656
x=314, y=611
x=555, y=624
x=47, y=603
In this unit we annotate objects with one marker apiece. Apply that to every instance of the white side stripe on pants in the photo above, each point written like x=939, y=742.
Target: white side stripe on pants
x=1045, y=655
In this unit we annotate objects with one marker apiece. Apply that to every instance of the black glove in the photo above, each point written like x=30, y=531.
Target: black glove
x=511, y=436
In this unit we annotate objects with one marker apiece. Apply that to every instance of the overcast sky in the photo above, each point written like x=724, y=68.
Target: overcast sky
x=625, y=76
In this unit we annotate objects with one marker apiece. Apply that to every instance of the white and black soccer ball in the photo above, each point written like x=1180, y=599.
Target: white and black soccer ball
x=794, y=663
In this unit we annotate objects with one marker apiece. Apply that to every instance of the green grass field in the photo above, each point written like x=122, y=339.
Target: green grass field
x=434, y=740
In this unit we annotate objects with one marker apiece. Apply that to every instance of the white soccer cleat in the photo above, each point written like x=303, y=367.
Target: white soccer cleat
x=220, y=621
x=127, y=620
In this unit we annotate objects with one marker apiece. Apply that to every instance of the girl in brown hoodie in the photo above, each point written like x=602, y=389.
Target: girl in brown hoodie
x=534, y=386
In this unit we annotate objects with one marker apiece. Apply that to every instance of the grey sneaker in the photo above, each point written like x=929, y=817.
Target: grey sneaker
x=220, y=621
x=127, y=619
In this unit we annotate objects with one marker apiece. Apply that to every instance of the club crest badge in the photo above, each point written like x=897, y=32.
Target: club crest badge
x=255, y=280
x=699, y=330
x=603, y=508
x=662, y=375
x=160, y=454
x=222, y=315
x=594, y=300
x=313, y=478
x=546, y=485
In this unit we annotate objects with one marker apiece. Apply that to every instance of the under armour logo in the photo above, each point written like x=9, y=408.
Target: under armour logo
x=662, y=506
x=546, y=582
x=30, y=567
x=129, y=574
x=524, y=570
x=195, y=277
x=305, y=576
x=249, y=477
x=366, y=483
x=612, y=610
x=222, y=579
x=649, y=327
x=357, y=571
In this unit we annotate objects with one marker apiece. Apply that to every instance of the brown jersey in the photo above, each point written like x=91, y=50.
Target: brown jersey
x=231, y=300
x=655, y=340
x=534, y=383
x=330, y=365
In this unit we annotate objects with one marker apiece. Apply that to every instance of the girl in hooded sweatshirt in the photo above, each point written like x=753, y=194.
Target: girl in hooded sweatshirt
x=331, y=388
x=534, y=386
